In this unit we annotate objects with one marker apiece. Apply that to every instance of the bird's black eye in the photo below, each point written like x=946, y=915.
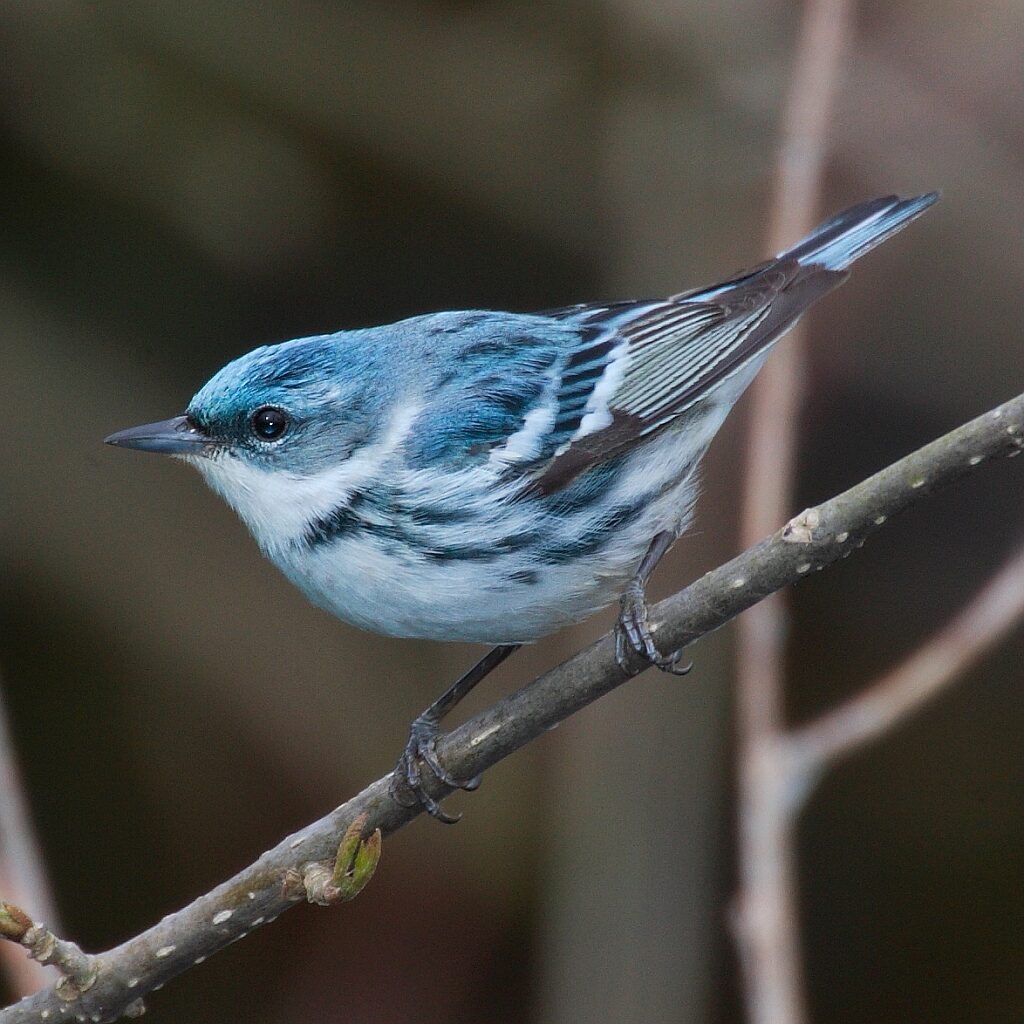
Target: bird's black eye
x=268, y=423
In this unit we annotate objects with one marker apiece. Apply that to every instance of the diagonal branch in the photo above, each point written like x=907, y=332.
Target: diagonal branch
x=256, y=895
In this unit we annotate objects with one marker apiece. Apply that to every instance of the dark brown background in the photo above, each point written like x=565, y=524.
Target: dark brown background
x=184, y=181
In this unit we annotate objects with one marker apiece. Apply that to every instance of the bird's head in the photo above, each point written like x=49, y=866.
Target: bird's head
x=271, y=430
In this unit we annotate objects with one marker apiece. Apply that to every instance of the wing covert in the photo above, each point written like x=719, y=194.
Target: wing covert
x=657, y=359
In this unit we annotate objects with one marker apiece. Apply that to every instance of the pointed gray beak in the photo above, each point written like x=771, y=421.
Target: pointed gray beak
x=169, y=437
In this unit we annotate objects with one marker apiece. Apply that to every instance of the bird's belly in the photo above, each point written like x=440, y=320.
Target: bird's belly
x=488, y=601
x=501, y=588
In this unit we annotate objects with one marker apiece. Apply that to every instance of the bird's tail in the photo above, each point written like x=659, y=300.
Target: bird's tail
x=835, y=244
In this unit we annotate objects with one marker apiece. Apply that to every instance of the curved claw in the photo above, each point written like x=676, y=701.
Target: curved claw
x=633, y=628
x=408, y=774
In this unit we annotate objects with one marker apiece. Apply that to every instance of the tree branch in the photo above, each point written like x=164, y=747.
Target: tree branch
x=766, y=917
x=256, y=895
x=78, y=971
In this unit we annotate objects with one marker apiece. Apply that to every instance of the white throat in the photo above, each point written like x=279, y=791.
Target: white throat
x=278, y=505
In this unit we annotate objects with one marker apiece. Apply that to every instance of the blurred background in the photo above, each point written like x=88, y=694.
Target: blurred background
x=186, y=181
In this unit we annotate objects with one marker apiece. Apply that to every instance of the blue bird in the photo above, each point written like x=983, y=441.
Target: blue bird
x=492, y=477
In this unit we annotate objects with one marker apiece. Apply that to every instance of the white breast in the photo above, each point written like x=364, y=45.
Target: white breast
x=385, y=586
x=504, y=593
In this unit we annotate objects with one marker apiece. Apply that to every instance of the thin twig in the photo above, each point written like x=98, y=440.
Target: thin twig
x=78, y=971
x=765, y=909
x=873, y=712
x=22, y=872
x=255, y=896
x=23, y=974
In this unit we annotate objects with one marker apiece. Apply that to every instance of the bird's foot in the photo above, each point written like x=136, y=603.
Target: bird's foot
x=633, y=634
x=408, y=777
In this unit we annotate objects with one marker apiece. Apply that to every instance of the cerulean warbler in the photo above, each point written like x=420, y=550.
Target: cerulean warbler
x=492, y=477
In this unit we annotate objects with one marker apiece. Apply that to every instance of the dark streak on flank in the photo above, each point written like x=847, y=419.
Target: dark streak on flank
x=507, y=545
x=381, y=516
x=592, y=540
x=526, y=576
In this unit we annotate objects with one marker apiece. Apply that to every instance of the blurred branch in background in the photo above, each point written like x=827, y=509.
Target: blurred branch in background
x=898, y=694
x=779, y=768
x=818, y=537
x=766, y=903
x=22, y=873
x=789, y=764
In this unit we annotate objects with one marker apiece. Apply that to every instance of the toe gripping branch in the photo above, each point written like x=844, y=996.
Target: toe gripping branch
x=633, y=633
x=634, y=636
x=408, y=782
x=408, y=779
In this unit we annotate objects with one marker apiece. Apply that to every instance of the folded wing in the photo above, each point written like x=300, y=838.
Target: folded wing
x=639, y=366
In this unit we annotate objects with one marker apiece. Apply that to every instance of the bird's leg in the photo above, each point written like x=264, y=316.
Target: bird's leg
x=633, y=627
x=423, y=732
